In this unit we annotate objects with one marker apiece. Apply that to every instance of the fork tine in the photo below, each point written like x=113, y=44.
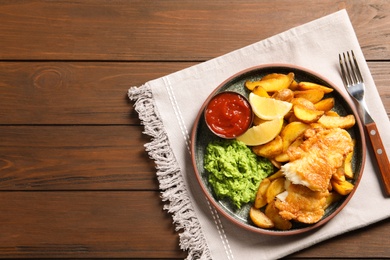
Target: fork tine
x=353, y=71
x=358, y=73
x=343, y=72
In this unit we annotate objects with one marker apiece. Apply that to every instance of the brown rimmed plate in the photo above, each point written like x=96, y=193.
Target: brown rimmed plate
x=201, y=136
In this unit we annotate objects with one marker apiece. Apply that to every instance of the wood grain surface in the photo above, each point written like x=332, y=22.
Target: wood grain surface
x=75, y=180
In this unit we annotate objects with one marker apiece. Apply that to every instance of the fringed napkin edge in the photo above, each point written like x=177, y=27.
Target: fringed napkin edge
x=171, y=184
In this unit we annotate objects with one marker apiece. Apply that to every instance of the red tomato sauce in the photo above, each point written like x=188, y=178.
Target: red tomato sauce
x=228, y=114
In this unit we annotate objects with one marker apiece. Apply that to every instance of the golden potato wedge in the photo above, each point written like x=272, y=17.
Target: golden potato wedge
x=307, y=115
x=284, y=95
x=339, y=175
x=313, y=95
x=270, y=149
x=276, y=187
x=342, y=188
x=282, y=158
x=310, y=85
x=331, y=113
x=294, y=85
x=261, y=200
x=251, y=85
x=260, y=91
x=291, y=132
x=273, y=213
x=275, y=176
x=348, y=166
x=344, y=122
x=272, y=82
x=325, y=104
x=275, y=163
x=332, y=198
x=260, y=219
x=304, y=102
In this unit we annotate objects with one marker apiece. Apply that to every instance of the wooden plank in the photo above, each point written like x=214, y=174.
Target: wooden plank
x=169, y=30
x=119, y=225
x=369, y=242
x=380, y=74
x=85, y=224
x=92, y=93
x=75, y=158
x=73, y=92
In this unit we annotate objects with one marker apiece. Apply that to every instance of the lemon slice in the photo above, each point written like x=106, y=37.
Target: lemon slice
x=262, y=133
x=268, y=108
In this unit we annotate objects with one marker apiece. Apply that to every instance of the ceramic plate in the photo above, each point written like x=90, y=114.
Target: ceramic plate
x=201, y=136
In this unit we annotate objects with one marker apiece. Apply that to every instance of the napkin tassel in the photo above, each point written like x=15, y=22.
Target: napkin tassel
x=173, y=190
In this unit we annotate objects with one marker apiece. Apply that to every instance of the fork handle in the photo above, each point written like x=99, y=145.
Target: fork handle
x=380, y=155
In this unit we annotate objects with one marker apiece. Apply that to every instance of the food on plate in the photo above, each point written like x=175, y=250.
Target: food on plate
x=260, y=219
x=337, y=121
x=308, y=150
x=268, y=108
x=291, y=132
x=313, y=163
x=261, y=199
x=342, y=187
x=304, y=85
x=270, y=149
x=262, y=133
x=228, y=114
x=276, y=187
x=273, y=213
x=348, y=172
x=325, y=104
x=272, y=82
x=301, y=204
x=235, y=172
x=307, y=115
x=313, y=95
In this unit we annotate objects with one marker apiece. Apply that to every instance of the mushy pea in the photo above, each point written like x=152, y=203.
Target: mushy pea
x=235, y=172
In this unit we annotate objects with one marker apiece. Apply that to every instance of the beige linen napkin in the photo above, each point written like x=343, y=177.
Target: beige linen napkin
x=168, y=107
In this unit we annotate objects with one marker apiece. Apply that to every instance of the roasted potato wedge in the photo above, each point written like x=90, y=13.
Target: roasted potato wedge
x=260, y=219
x=291, y=132
x=342, y=188
x=307, y=115
x=272, y=82
x=348, y=166
x=276, y=187
x=344, y=122
x=313, y=95
x=284, y=95
x=304, y=102
x=294, y=85
x=275, y=176
x=310, y=85
x=261, y=200
x=282, y=158
x=332, y=198
x=339, y=175
x=270, y=149
x=260, y=91
x=331, y=113
x=325, y=104
x=273, y=213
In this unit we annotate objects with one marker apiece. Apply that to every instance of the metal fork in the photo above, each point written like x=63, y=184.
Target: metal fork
x=354, y=84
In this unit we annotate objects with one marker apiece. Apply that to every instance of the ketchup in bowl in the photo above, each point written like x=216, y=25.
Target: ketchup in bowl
x=228, y=114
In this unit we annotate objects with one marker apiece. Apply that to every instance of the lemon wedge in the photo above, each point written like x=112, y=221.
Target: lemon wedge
x=268, y=108
x=262, y=133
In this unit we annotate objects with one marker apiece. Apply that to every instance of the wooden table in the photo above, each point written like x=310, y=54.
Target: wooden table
x=75, y=180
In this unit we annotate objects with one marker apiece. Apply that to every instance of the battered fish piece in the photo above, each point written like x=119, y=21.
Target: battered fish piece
x=302, y=204
x=313, y=163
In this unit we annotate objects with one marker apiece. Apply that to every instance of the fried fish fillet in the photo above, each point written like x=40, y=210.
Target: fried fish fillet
x=313, y=163
x=302, y=204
